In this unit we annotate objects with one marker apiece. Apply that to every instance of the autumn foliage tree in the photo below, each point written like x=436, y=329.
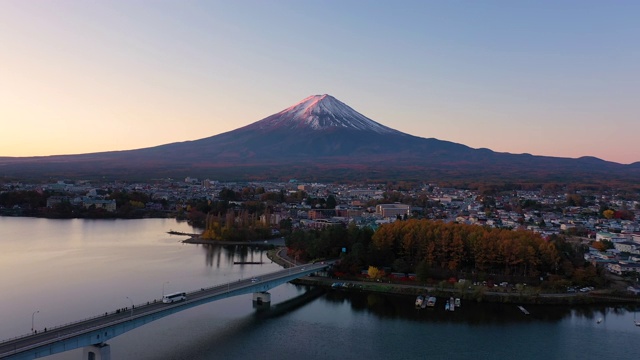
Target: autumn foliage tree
x=459, y=247
x=375, y=273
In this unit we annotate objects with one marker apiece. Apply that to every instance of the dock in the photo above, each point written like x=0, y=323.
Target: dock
x=172, y=232
x=523, y=310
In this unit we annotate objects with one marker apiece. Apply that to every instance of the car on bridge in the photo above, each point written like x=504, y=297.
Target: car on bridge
x=255, y=279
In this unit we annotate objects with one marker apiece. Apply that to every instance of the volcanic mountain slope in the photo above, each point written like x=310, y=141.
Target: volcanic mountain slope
x=319, y=128
x=316, y=137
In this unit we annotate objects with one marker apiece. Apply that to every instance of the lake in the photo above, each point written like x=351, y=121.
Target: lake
x=57, y=271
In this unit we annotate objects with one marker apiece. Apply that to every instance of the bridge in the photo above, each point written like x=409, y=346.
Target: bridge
x=92, y=334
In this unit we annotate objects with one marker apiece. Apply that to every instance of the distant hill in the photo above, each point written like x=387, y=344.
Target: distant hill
x=319, y=139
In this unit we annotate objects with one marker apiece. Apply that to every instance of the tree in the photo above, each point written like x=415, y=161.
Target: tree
x=286, y=224
x=608, y=244
x=422, y=271
x=331, y=202
x=608, y=213
x=375, y=273
x=227, y=195
x=542, y=223
x=575, y=200
x=400, y=265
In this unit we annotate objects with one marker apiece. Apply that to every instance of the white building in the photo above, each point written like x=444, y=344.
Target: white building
x=393, y=210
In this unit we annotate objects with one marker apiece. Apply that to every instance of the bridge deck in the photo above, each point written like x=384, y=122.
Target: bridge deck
x=104, y=327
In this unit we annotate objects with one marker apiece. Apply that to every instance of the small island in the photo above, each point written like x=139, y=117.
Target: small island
x=232, y=230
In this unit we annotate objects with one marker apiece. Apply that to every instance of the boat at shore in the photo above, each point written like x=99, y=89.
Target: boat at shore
x=458, y=302
x=524, y=311
x=570, y=299
x=452, y=305
x=431, y=301
x=419, y=301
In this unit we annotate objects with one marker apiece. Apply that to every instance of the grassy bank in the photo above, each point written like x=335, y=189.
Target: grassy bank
x=477, y=293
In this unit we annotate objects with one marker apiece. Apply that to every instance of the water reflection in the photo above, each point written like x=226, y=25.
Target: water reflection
x=220, y=255
x=471, y=312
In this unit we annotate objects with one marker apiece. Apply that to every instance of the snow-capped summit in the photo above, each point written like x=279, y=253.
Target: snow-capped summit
x=320, y=112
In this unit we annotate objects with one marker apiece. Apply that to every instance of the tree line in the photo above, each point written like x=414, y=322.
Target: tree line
x=434, y=249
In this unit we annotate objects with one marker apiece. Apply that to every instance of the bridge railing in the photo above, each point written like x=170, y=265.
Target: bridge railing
x=117, y=311
x=62, y=337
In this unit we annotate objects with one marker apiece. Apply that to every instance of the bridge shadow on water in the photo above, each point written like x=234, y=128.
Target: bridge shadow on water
x=232, y=335
x=235, y=330
x=285, y=307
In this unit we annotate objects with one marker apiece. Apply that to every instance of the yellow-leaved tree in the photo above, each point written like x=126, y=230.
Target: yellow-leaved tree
x=608, y=213
x=375, y=273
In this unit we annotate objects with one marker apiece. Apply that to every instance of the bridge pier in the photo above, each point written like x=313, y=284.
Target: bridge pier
x=100, y=351
x=261, y=299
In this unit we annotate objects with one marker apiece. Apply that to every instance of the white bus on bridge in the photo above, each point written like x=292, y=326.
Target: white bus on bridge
x=179, y=296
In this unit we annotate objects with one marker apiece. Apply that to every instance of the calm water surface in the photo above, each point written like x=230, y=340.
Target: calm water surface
x=72, y=269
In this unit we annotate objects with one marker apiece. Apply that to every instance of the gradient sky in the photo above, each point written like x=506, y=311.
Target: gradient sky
x=559, y=78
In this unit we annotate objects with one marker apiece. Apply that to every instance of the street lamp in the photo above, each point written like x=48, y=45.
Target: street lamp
x=32, y=319
x=131, y=305
x=166, y=282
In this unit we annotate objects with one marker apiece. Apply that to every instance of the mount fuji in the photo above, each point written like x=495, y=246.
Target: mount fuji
x=318, y=139
x=320, y=112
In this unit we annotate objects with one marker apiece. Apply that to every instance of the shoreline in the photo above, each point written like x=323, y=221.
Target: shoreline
x=485, y=296
x=195, y=239
x=476, y=294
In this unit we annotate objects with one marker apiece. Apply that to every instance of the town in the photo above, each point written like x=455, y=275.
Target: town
x=605, y=221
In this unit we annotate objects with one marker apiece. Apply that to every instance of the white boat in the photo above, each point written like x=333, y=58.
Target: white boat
x=458, y=303
x=425, y=301
x=431, y=302
x=452, y=304
x=419, y=301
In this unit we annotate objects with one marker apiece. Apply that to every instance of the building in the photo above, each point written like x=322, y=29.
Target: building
x=315, y=215
x=393, y=210
x=319, y=224
x=623, y=267
x=56, y=200
x=627, y=246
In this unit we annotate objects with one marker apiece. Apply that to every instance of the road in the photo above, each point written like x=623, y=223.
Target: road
x=151, y=307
